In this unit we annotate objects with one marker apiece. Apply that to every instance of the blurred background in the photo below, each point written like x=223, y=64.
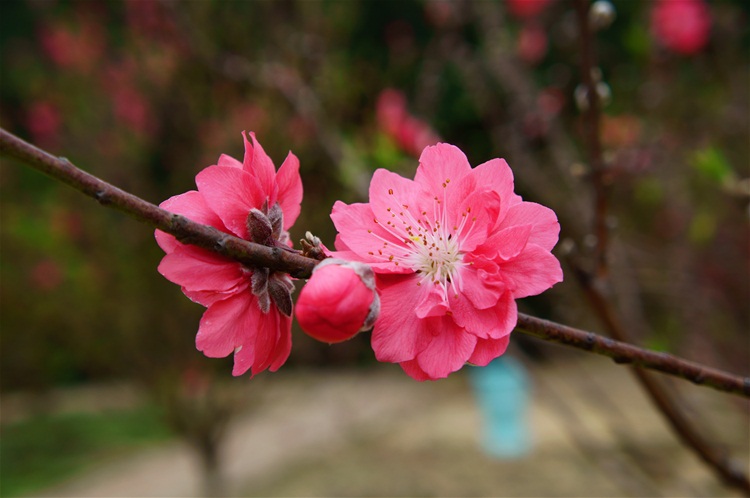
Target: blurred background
x=98, y=369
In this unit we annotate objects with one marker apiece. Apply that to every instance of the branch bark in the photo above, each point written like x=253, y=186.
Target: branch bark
x=299, y=266
x=185, y=230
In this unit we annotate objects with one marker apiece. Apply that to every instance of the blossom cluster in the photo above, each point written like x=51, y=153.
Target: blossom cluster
x=432, y=265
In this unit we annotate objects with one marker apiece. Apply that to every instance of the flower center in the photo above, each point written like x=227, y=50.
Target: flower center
x=428, y=245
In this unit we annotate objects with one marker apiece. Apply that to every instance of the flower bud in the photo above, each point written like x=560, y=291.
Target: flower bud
x=338, y=301
x=601, y=14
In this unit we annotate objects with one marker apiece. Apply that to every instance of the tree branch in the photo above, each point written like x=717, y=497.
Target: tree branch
x=185, y=230
x=593, y=283
x=251, y=254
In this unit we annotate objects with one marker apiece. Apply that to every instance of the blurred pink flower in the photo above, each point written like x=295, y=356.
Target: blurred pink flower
x=451, y=250
x=249, y=309
x=46, y=275
x=338, y=301
x=79, y=48
x=43, y=121
x=532, y=43
x=411, y=134
x=526, y=9
x=681, y=25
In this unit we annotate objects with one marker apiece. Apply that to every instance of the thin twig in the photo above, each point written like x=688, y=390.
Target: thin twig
x=592, y=124
x=300, y=266
x=593, y=283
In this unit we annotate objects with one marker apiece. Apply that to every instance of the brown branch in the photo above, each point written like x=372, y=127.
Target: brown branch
x=592, y=124
x=710, y=454
x=185, y=230
x=626, y=353
x=593, y=283
x=300, y=266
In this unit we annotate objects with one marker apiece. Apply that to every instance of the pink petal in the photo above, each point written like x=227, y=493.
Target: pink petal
x=398, y=334
x=481, y=283
x=487, y=350
x=229, y=324
x=493, y=322
x=439, y=163
x=432, y=302
x=497, y=176
x=191, y=205
x=476, y=216
x=395, y=202
x=231, y=193
x=225, y=160
x=546, y=228
x=261, y=167
x=448, y=350
x=290, y=189
x=197, y=269
x=414, y=371
x=273, y=340
x=532, y=272
x=506, y=243
x=283, y=345
x=359, y=233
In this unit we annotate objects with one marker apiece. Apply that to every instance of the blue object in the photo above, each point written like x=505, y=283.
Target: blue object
x=502, y=392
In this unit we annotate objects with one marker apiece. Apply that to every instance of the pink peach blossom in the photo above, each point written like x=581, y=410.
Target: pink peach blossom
x=452, y=250
x=338, y=301
x=411, y=134
x=249, y=309
x=681, y=25
x=527, y=9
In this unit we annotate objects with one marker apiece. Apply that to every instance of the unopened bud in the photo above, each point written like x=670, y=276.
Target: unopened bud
x=601, y=14
x=338, y=301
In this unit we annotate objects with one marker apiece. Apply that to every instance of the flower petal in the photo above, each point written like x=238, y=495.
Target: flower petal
x=448, y=350
x=545, y=227
x=225, y=160
x=487, y=350
x=531, y=272
x=260, y=166
x=193, y=206
x=359, y=233
x=290, y=189
x=439, y=163
x=414, y=371
x=506, y=243
x=395, y=202
x=197, y=269
x=229, y=324
x=497, y=176
x=398, y=334
x=231, y=193
x=493, y=322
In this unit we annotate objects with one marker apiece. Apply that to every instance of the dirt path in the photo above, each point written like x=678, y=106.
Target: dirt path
x=380, y=434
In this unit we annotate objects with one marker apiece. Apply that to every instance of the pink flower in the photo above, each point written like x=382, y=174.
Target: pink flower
x=451, y=250
x=532, y=43
x=338, y=301
x=409, y=133
x=681, y=25
x=249, y=309
x=527, y=9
